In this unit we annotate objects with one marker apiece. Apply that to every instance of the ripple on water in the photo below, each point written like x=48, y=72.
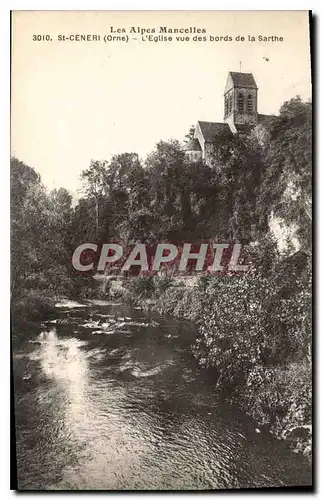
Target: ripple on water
x=70, y=304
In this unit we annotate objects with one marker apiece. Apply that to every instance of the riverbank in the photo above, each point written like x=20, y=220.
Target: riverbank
x=26, y=312
x=254, y=338
x=29, y=306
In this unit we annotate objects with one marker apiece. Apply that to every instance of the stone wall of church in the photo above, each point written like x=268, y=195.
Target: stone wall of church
x=245, y=106
x=194, y=155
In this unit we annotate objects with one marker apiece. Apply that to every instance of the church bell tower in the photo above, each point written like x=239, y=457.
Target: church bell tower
x=240, y=100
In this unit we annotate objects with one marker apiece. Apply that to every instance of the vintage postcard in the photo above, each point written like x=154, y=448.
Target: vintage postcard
x=161, y=252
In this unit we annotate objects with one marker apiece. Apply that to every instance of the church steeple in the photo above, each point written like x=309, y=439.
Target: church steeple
x=240, y=99
x=241, y=114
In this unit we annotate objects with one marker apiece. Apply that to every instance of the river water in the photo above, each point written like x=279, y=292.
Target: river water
x=107, y=397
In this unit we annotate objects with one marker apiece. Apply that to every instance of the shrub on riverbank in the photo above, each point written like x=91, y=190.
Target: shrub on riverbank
x=280, y=397
x=140, y=288
x=27, y=310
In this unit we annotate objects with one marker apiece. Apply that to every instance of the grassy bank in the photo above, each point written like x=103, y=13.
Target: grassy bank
x=27, y=310
x=254, y=334
x=30, y=305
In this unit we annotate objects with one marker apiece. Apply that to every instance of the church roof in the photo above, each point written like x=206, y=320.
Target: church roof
x=243, y=127
x=209, y=130
x=243, y=79
x=192, y=145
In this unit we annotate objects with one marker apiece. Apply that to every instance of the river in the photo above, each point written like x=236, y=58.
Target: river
x=107, y=397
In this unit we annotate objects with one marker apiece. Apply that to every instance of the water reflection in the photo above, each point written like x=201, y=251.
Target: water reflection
x=113, y=402
x=66, y=364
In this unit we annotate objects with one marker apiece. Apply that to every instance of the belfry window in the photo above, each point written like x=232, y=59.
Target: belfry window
x=250, y=103
x=240, y=102
x=226, y=106
x=230, y=104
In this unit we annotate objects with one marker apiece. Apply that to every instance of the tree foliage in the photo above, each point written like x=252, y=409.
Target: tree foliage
x=41, y=241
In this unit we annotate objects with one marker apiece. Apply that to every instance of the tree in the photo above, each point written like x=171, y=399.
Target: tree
x=29, y=211
x=93, y=185
x=169, y=192
x=238, y=167
x=40, y=233
x=286, y=190
x=190, y=134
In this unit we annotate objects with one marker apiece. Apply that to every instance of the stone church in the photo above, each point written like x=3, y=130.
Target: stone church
x=240, y=114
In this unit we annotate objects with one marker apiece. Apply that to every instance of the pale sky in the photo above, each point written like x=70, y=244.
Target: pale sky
x=77, y=101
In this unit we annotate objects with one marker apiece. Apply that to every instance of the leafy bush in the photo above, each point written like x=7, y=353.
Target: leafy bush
x=169, y=300
x=29, y=308
x=231, y=328
x=141, y=287
x=31, y=305
x=253, y=320
x=282, y=398
x=161, y=284
x=203, y=282
x=191, y=305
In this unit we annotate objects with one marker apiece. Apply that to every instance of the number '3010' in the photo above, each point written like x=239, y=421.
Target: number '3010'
x=40, y=38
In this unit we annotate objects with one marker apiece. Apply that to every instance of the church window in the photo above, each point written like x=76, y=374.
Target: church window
x=240, y=102
x=250, y=103
x=226, y=106
x=230, y=106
